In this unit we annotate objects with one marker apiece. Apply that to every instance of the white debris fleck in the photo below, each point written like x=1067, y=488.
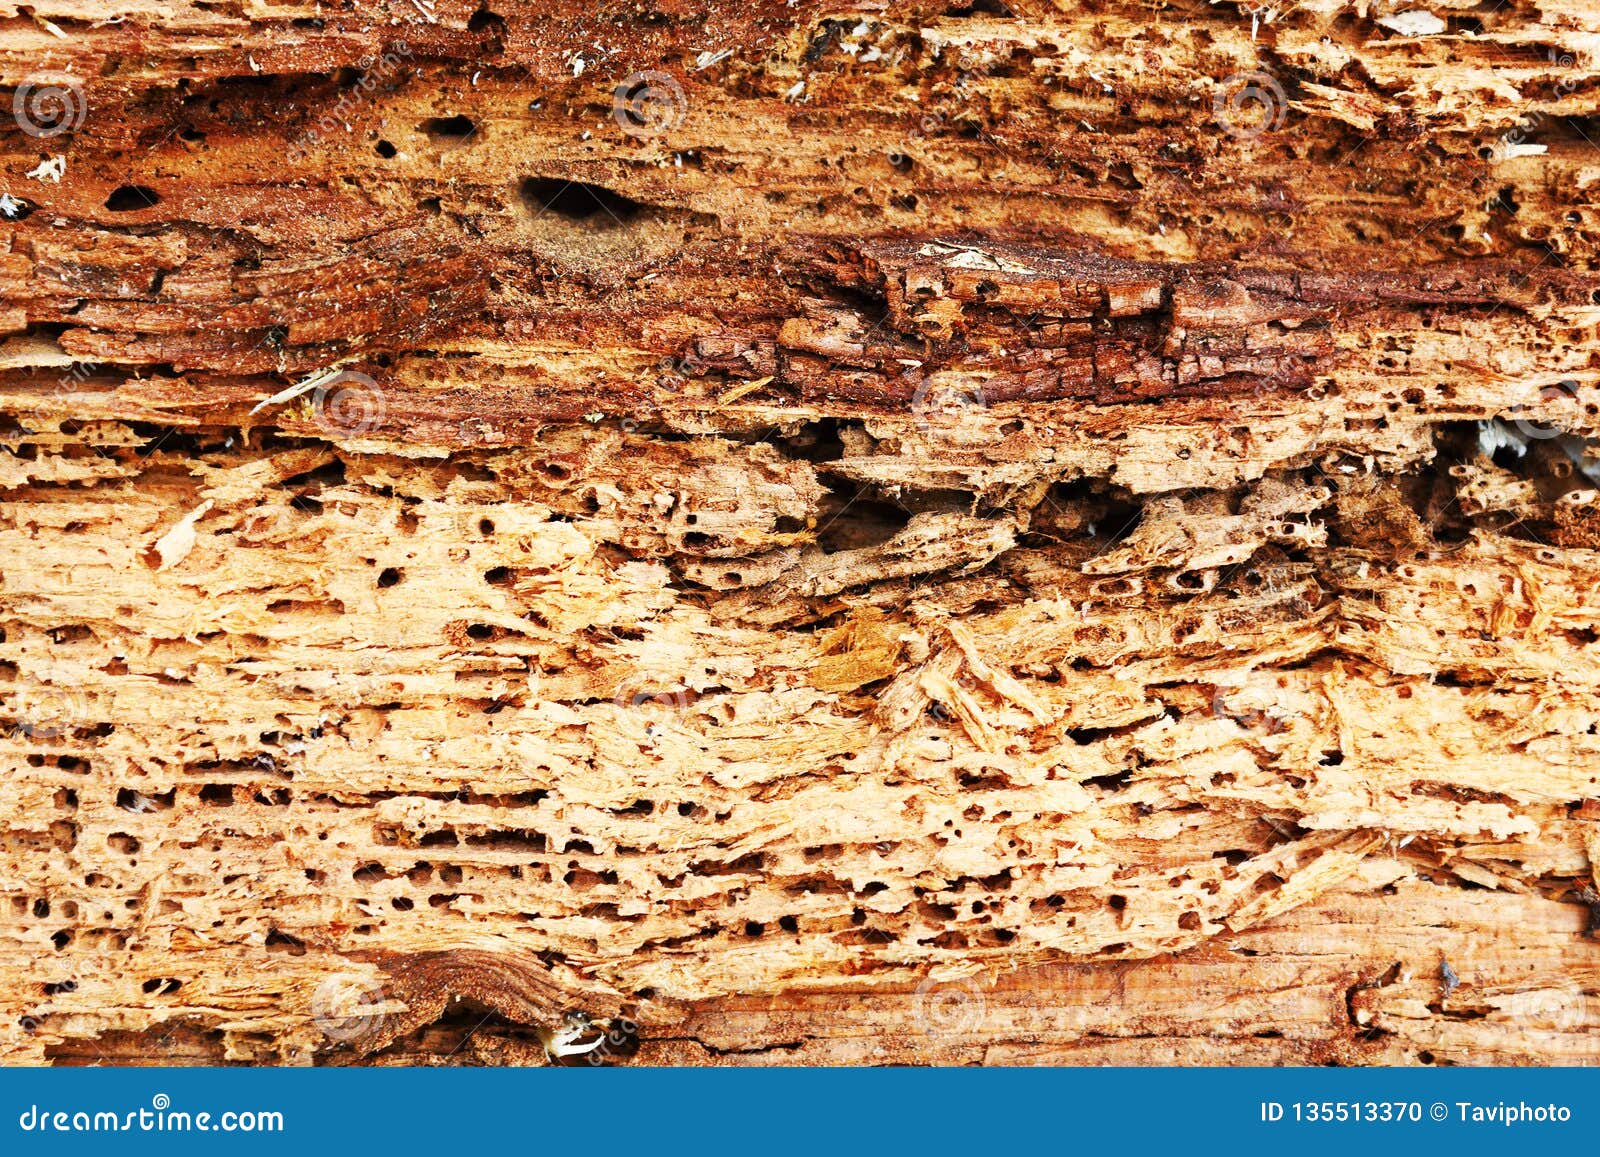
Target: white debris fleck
x=795, y=92
x=1495, y=435
x=1413, y=23
x=706, y=59
x=174, y=546
x=967, y=257
x=137, y=802
x=1510, y=150
x=50, y=169
x=594, y=416
x=578, y=65
x=315, y=381
x=10, y=207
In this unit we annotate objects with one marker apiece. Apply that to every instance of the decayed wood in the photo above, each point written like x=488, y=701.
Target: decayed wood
x=947, y=534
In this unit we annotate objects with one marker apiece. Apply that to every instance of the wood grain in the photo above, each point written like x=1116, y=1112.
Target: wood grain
x=1048, y=534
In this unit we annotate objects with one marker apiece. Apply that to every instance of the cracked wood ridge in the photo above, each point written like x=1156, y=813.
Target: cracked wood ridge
x=939, y=532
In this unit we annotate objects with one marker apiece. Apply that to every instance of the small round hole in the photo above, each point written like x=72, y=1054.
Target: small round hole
x=132, y=199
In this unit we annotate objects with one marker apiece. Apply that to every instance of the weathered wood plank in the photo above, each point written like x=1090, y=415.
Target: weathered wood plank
x=944, y=535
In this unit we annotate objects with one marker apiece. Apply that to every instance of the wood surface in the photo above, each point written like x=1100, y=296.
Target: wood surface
x=1037, y=533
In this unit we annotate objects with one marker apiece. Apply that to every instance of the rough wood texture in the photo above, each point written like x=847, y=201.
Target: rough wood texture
x=953, y=533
